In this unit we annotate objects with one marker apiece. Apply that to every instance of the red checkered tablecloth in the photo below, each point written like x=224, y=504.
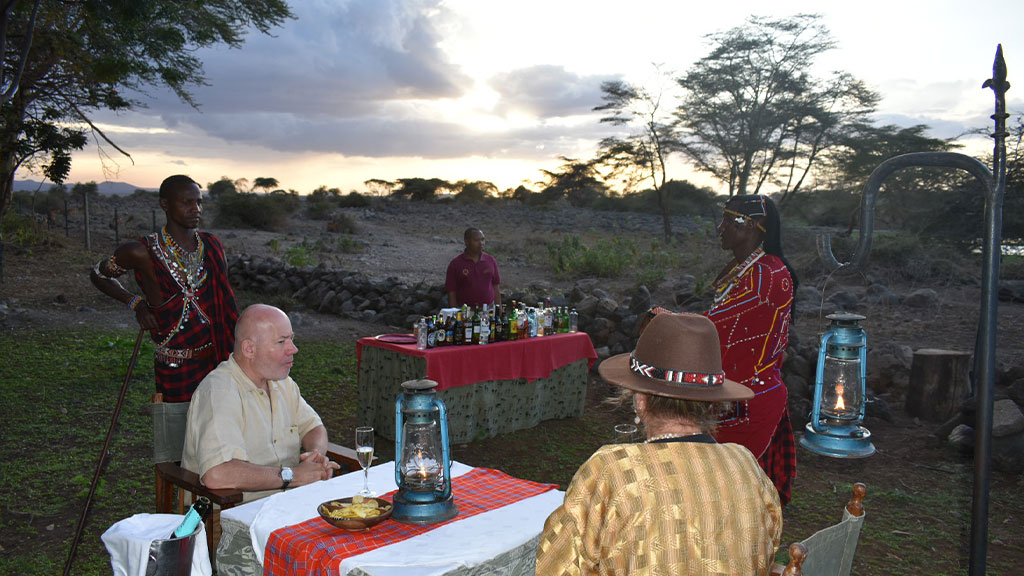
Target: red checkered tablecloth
x=316, y=547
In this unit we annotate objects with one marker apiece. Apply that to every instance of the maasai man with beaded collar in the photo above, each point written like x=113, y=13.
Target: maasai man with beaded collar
x=752, y=312
x=186, y=303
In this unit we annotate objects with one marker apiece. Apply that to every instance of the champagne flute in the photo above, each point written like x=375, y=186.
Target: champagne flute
x=364, y=453
x=625, y=433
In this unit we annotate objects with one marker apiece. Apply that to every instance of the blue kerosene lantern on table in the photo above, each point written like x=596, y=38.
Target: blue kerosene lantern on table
x=423, y=458
x=840, y=388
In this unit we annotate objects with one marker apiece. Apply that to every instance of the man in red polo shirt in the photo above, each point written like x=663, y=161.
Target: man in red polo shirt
x=473, y=277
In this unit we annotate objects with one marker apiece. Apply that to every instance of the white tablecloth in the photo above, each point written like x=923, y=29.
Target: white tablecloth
x=461, y=544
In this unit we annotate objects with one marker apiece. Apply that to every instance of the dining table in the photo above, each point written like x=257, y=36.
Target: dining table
x=487, y=389
x=496, y=531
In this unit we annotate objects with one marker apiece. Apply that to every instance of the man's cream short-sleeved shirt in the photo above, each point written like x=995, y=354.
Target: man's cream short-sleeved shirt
x=230, y=418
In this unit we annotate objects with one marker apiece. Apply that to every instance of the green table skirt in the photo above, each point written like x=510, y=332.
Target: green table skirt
x=476, y=411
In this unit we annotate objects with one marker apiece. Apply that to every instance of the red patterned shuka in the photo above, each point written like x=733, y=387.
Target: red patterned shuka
x=196, y=314
x=752, y=314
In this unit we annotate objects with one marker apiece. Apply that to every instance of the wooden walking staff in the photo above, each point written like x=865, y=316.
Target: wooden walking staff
x=994, y=182
x=103, y=454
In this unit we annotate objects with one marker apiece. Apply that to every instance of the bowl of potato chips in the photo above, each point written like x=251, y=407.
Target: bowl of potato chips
x=355, y=513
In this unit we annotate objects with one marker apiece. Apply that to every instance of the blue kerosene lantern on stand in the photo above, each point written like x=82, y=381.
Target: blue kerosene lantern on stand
x=423, y=466
x=840, y=387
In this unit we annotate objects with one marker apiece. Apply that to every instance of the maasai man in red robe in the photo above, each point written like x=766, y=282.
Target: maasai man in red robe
x=752, y=312
x=187, y=303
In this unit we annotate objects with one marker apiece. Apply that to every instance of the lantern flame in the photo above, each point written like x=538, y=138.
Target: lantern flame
x=840, y=405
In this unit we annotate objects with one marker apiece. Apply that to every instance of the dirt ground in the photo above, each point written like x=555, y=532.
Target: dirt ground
x=47, y=286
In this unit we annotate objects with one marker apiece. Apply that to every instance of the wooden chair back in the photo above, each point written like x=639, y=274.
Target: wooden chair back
x=830, y=551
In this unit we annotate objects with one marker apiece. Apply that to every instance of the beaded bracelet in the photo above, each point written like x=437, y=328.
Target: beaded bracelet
x=134, y=302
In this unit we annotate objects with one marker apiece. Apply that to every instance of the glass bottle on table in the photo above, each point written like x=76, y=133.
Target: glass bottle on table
x=431, y=336
x=476, y=326
x=421, y=333
x=467, y=327
x=458, y=331
x=513, y=323
x=574, y=320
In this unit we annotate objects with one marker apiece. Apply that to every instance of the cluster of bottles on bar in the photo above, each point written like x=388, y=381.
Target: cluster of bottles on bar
x=486, y=324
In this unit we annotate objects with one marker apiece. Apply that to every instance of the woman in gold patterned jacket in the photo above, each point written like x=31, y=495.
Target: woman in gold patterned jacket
x=679, y=503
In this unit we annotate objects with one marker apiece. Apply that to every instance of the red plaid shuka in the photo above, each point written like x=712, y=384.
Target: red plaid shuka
x=203, y=323
x=316, y=547
x=753, y=327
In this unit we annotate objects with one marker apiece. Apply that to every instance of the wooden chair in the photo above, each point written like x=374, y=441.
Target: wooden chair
x=830, y=551
x=177, y=488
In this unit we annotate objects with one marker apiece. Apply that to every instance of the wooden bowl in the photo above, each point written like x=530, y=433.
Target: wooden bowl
x=384, y=506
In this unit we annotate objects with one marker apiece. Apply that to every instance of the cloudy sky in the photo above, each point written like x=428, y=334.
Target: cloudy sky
x=493, y=90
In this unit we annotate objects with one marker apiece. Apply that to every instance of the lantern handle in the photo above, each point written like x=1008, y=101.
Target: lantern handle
x=442, y=413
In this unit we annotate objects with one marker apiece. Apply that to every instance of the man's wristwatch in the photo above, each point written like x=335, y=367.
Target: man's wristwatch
x=286, y=477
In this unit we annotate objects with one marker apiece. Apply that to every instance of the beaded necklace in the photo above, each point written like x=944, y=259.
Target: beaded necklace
x=670, y=436
x=187, y=270
x=187, y=264
x=724, y=284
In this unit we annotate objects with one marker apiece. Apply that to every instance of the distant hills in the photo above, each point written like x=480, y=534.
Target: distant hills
x=107, y=188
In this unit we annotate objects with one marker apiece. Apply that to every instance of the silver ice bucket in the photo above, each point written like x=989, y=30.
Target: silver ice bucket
x=173, y=556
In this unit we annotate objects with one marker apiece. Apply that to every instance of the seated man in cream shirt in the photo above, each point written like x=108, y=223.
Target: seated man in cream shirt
x=248, y=426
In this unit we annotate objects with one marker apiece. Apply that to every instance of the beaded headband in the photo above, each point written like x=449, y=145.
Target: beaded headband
x=676, y=376
x=742, y=218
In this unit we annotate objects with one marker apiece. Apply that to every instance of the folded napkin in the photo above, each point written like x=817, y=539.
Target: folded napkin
x=128, y=542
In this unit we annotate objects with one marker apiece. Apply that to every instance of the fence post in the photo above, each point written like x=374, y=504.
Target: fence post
x=88, y=238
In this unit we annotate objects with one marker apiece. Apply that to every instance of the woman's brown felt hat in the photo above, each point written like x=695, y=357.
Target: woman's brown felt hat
x=677, y=356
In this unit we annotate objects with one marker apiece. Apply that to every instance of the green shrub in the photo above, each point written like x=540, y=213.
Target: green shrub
x=269, y=213
x=352, y=200
x=300, y=254
x=570, y=258
x=653, y=265
x=342, y=224
x=22, y=231
x=319, y=207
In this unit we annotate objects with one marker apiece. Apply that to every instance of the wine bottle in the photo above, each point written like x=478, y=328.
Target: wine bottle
x=198, y=512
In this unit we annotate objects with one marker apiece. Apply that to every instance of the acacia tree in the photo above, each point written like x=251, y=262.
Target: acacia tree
x=751, y=113
x=640, y=156
x=85, y=56
x=578, y=181
x=265, y=183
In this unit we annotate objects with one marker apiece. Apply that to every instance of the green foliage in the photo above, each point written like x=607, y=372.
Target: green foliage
x=421, y=189
x=682, y=198
x=476, y=192
x=269, y=213
x=353, y=200
x=755, y=88
x=654, y=264
x=21, y=230
x=222, y=187
x=300, y=255
x=570, y=258
x=90, y=56
x=577, y=181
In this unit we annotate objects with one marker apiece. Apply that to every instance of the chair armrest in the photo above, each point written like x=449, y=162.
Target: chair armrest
x=182, y=478
x=344, y=456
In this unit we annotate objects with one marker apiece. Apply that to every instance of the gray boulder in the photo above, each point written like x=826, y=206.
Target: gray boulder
x=1007, y=418
x=922, y=298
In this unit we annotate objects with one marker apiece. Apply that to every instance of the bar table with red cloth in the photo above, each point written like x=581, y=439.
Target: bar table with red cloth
x=488, y=389
x=316, y=547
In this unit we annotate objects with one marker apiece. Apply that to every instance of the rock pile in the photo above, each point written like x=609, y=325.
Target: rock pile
x=613, y=322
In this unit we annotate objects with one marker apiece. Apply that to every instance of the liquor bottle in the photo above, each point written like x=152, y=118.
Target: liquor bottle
x=421, y=333
x=496, y=327
x=564, y=325
x=196, y=514
x=485, y=326
x=449, y=331
x=531, y=322
x=476, y=326
x=458, y=333
x=467, y=327
x=431, y=335
x=513, y=323
x=574, y=320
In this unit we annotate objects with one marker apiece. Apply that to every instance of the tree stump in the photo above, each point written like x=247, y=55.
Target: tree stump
x=939, y=383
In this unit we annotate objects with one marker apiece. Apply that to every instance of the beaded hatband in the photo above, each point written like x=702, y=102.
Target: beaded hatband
x=676, y=376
